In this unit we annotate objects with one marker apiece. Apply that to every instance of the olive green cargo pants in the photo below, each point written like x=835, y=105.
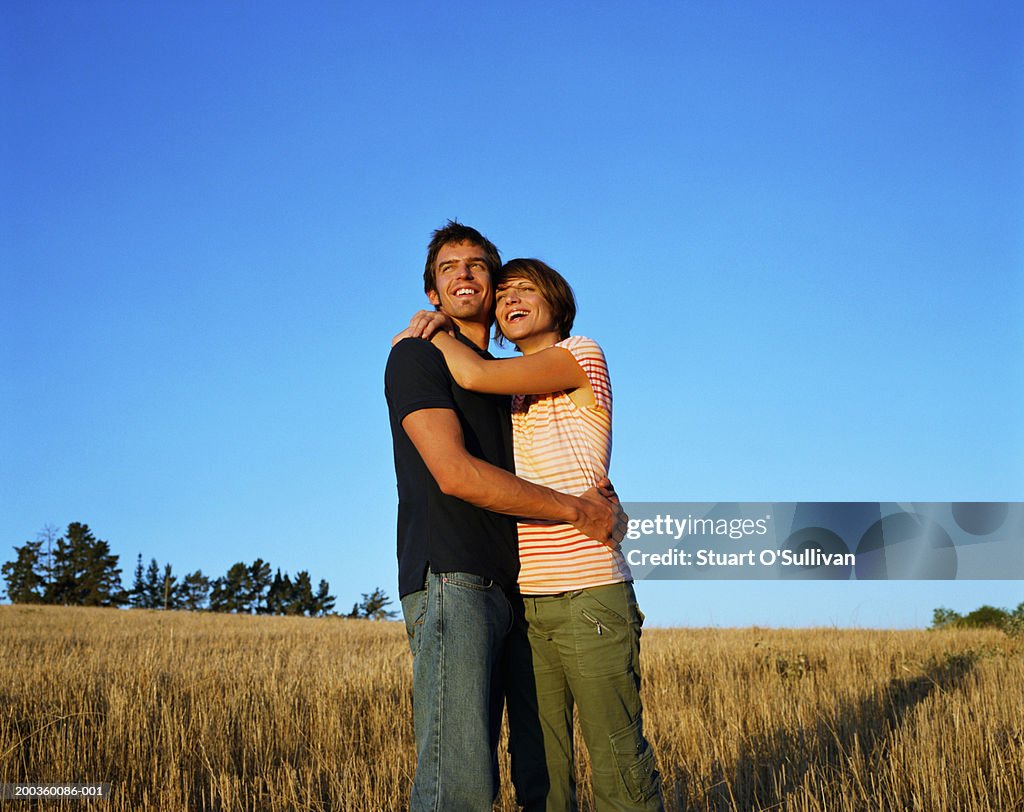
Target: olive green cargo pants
x=580, y=647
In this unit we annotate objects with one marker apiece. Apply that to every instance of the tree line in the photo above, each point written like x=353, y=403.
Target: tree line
x=78, y=569
x=984, y=617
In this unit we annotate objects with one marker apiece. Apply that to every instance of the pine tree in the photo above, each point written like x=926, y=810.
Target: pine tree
x=171, y=589
x=24, y=575
x=66, y=573
x=137, y=596
x=374, y=605
x=240, y=587
x=233, y=592
x=259, y=578
x=324, y=600
x=276, y=595
x=153, y=586
x=303, y=601
x=85, y=572
x=103, y=576
x=195, y=591
x=287, y=597
x=218, y=598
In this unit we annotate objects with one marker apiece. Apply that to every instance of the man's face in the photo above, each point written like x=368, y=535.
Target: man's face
x=462, y=283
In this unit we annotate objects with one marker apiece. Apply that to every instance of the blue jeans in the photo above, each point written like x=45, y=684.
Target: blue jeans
x=457, y=627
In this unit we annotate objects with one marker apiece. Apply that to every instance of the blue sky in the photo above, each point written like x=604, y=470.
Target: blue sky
x=796, y=232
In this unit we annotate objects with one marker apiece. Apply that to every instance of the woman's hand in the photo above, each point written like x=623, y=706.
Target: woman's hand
x=404, y=334
x=425, y=324
x=428, y=322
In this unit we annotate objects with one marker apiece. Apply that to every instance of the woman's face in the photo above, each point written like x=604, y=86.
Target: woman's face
x=522, y=311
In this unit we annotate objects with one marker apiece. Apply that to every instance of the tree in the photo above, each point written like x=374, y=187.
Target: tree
x=195, y=591
x=943, y=618
x=137, y=594
x=218, y=597
x=171, y=589
x=259, y=578
x=373, y=606
x=66, y=572
x=1015, y=622
x=986, y=617
x=233, y=592
x=324, y=599
x=25, y=578
x=85, y=572
x=152, y=586
x=48, y=536
x=278, y=594
x=302, y=602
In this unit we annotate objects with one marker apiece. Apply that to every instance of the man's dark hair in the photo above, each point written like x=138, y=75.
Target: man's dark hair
x=552, y=286
x=455, y=232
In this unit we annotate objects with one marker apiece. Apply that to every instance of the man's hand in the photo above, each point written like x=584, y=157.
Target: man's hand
x=427, y=322
x=601, y=516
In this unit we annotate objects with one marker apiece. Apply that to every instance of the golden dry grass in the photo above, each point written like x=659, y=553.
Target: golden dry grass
x=198, y=711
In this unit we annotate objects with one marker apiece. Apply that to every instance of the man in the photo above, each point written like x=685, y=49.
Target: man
x=457, y=547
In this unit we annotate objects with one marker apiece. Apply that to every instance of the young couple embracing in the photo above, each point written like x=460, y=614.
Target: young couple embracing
x=512, y=584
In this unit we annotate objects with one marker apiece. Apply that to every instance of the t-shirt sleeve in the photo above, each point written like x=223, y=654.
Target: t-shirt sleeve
x=590, y=357
x=416, y=377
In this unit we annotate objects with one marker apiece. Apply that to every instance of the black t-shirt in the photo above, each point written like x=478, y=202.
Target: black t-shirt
x=434, y=529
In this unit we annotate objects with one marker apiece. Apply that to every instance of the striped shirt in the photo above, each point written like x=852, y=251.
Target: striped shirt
x=567, y=448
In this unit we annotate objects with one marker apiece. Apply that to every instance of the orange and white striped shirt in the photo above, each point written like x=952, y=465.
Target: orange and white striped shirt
x=567, y=448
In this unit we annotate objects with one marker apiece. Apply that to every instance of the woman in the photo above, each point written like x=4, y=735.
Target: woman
x=581, y=620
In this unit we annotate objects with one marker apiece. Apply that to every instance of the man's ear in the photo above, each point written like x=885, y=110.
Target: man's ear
x=434, y=299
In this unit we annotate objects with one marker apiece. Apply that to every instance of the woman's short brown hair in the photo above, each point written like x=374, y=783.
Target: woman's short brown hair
x=552, y=286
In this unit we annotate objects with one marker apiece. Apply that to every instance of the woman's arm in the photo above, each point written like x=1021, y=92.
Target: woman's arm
x=551, y=370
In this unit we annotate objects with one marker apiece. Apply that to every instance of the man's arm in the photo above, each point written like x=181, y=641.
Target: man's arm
x=437, y=435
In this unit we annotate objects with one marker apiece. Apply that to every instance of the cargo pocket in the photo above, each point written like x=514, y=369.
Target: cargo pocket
x=634, y=759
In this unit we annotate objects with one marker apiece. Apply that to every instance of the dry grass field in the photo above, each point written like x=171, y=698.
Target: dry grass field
x=197, y=711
